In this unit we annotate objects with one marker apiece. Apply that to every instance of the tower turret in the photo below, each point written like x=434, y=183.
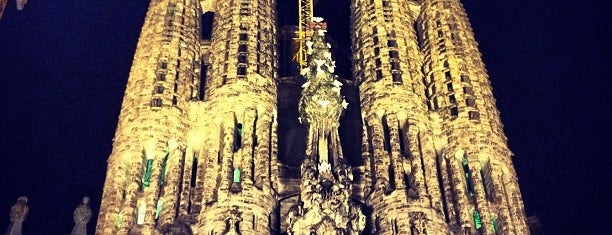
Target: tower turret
x=398, y=149
x=149, y=140
x=479, y=181
x=233, y=130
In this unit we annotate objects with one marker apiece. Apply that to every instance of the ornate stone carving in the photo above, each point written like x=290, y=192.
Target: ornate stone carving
x=418, y=223
x=325, y=206
x=233, y=222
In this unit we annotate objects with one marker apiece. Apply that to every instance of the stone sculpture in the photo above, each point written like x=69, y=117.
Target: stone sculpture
x=19, y=212
x=81, y=215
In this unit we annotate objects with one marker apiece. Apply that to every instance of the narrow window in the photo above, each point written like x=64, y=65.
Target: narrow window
x=162, y=176
x=148, y=169
x=402, y=143
x=447, y=74
x=156, y=102
x=202, y=84
x=397, y=78
x=494, y=224
x=435, y=102
x=470, y=102
x=159, y=89
x=158, y=207
x=242, y=48
x=449, y=86
x=237, y=175
x=238, y=137
x=161, y=77
x=387, y=136
x=487, y=181
x=454, y=111
x=378, y=75
x=474, y=115
x=391, y=43
x=465, y=78
x=242, y=58
x=395, y=65
x=452, y=99
x=243, y=37
x=468, y=90
x=142, y=209
x=393, y=54
x=468, y=176
x=207, y=25
x=477, y=221
x=241, y=71
x=194, y=171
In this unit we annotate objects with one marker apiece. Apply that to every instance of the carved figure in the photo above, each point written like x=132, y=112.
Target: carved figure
x=81, y=215
x=19, y=212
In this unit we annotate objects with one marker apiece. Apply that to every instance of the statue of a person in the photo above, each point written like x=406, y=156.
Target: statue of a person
x=19, y=212
x=81, y=215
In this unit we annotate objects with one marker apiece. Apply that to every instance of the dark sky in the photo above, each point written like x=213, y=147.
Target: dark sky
x=64, y=65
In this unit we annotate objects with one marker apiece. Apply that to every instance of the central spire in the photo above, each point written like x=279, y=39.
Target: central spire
x=321, y=104
x=325, y=205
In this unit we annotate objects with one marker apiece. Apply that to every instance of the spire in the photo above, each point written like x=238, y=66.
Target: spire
x=325, y=204
x=321, y=105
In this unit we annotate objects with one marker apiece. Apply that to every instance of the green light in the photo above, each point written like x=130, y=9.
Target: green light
x=146, y=178
x=236, y=175
x=494, y=224
x=162, y=177
x=477, y=221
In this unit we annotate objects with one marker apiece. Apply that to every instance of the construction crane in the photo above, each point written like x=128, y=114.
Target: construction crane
x=305, y=15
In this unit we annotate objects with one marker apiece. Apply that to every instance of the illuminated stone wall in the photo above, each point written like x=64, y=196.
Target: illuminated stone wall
x=153, y=118
x=195, y=150
x=459, y=91
x=433, y=140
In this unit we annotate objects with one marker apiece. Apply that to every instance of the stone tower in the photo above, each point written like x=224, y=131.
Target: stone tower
x=435, y=154
x=193, y=151
x=196, y=150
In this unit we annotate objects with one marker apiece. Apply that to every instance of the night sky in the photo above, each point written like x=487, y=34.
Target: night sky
x=64, y=65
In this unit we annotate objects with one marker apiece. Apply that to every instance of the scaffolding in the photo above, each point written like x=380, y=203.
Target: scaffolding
x=305, y=15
